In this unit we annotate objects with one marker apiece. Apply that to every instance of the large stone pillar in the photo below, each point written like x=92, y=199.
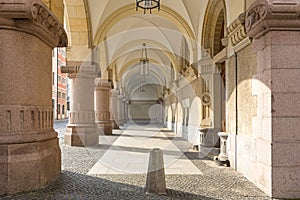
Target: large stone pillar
x=29, y=151
x=275, y=29
x=102, y=105
x=114, y=108
x=81, y=129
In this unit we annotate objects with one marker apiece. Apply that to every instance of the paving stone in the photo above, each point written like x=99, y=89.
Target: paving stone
x=215, y=183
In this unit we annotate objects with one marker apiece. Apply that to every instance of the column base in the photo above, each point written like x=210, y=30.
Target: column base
x=80, y=135
x=105, y=127
x=28, y=166
x=115, y=125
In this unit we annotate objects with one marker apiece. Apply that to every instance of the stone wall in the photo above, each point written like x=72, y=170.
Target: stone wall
x=57, y=7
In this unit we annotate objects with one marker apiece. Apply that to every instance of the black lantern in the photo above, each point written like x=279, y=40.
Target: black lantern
x=144, y=61
x=147, y=5
x=144, y=67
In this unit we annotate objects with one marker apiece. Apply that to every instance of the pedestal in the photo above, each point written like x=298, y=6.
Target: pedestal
x=30, y=156
x=222, y=158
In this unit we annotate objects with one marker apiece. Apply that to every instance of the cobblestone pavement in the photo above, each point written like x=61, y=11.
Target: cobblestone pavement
x=215, y=183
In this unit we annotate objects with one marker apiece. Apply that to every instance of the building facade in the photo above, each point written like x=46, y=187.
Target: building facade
x=60, y=81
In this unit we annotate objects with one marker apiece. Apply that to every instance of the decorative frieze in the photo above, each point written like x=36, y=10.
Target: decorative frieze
x=102, y=116
x=267, y=15
x=81, y=117
x=35, y=18
x=25, y=119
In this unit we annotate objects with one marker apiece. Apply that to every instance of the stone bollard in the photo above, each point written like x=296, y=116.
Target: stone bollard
x=222, y=159
x=156, y=182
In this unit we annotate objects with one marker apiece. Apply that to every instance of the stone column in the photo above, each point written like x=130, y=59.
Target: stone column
x=30, y=156
x=114, y=108
x=275, y=29
x=81, y=129
x=125, y=110
x=102, y=105
x=120, y=110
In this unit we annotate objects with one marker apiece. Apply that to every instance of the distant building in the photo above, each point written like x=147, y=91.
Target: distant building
x=59, y=80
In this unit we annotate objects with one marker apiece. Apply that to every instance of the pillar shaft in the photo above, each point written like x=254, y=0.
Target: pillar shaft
x=120, y=110
x=102, y=105
x=274, y=27
x=125, y=110
x=81, y=129
x=114, y=108
x=29, y=151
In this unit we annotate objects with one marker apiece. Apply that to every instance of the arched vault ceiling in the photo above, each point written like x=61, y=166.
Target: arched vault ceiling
x=101, y=9
x=132, y=80
x=167, y=38
x=167, y=13
x=153, y=54
x=159, y=49
x=141, y=21
x=154, y=66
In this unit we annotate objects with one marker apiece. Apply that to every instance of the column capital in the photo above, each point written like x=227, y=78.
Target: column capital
x=120, y=97
x=102, y=84
x=272, y=15
x=35, y=18
x=78, y=68
x=114, y=92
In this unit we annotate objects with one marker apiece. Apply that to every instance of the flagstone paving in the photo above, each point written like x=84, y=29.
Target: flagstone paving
x=117, y=167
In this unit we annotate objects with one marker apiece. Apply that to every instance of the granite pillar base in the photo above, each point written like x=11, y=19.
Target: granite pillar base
x=105, y=127
x=81, y=136
x=28, y=166
x=115, y=125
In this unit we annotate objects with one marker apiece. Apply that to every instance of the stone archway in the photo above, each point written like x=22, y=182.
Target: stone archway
x=214, y=27
x=78, y=27
x=165, y=12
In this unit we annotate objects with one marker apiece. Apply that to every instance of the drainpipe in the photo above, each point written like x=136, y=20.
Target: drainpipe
x=236, y=107
x=57, y=83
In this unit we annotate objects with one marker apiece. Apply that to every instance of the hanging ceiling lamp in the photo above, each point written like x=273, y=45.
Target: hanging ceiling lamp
x=144, y=61
x=147, y=5
x=144, y=67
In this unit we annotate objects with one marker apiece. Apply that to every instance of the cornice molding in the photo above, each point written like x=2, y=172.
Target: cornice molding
x=32, y=17
x=272, y=15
